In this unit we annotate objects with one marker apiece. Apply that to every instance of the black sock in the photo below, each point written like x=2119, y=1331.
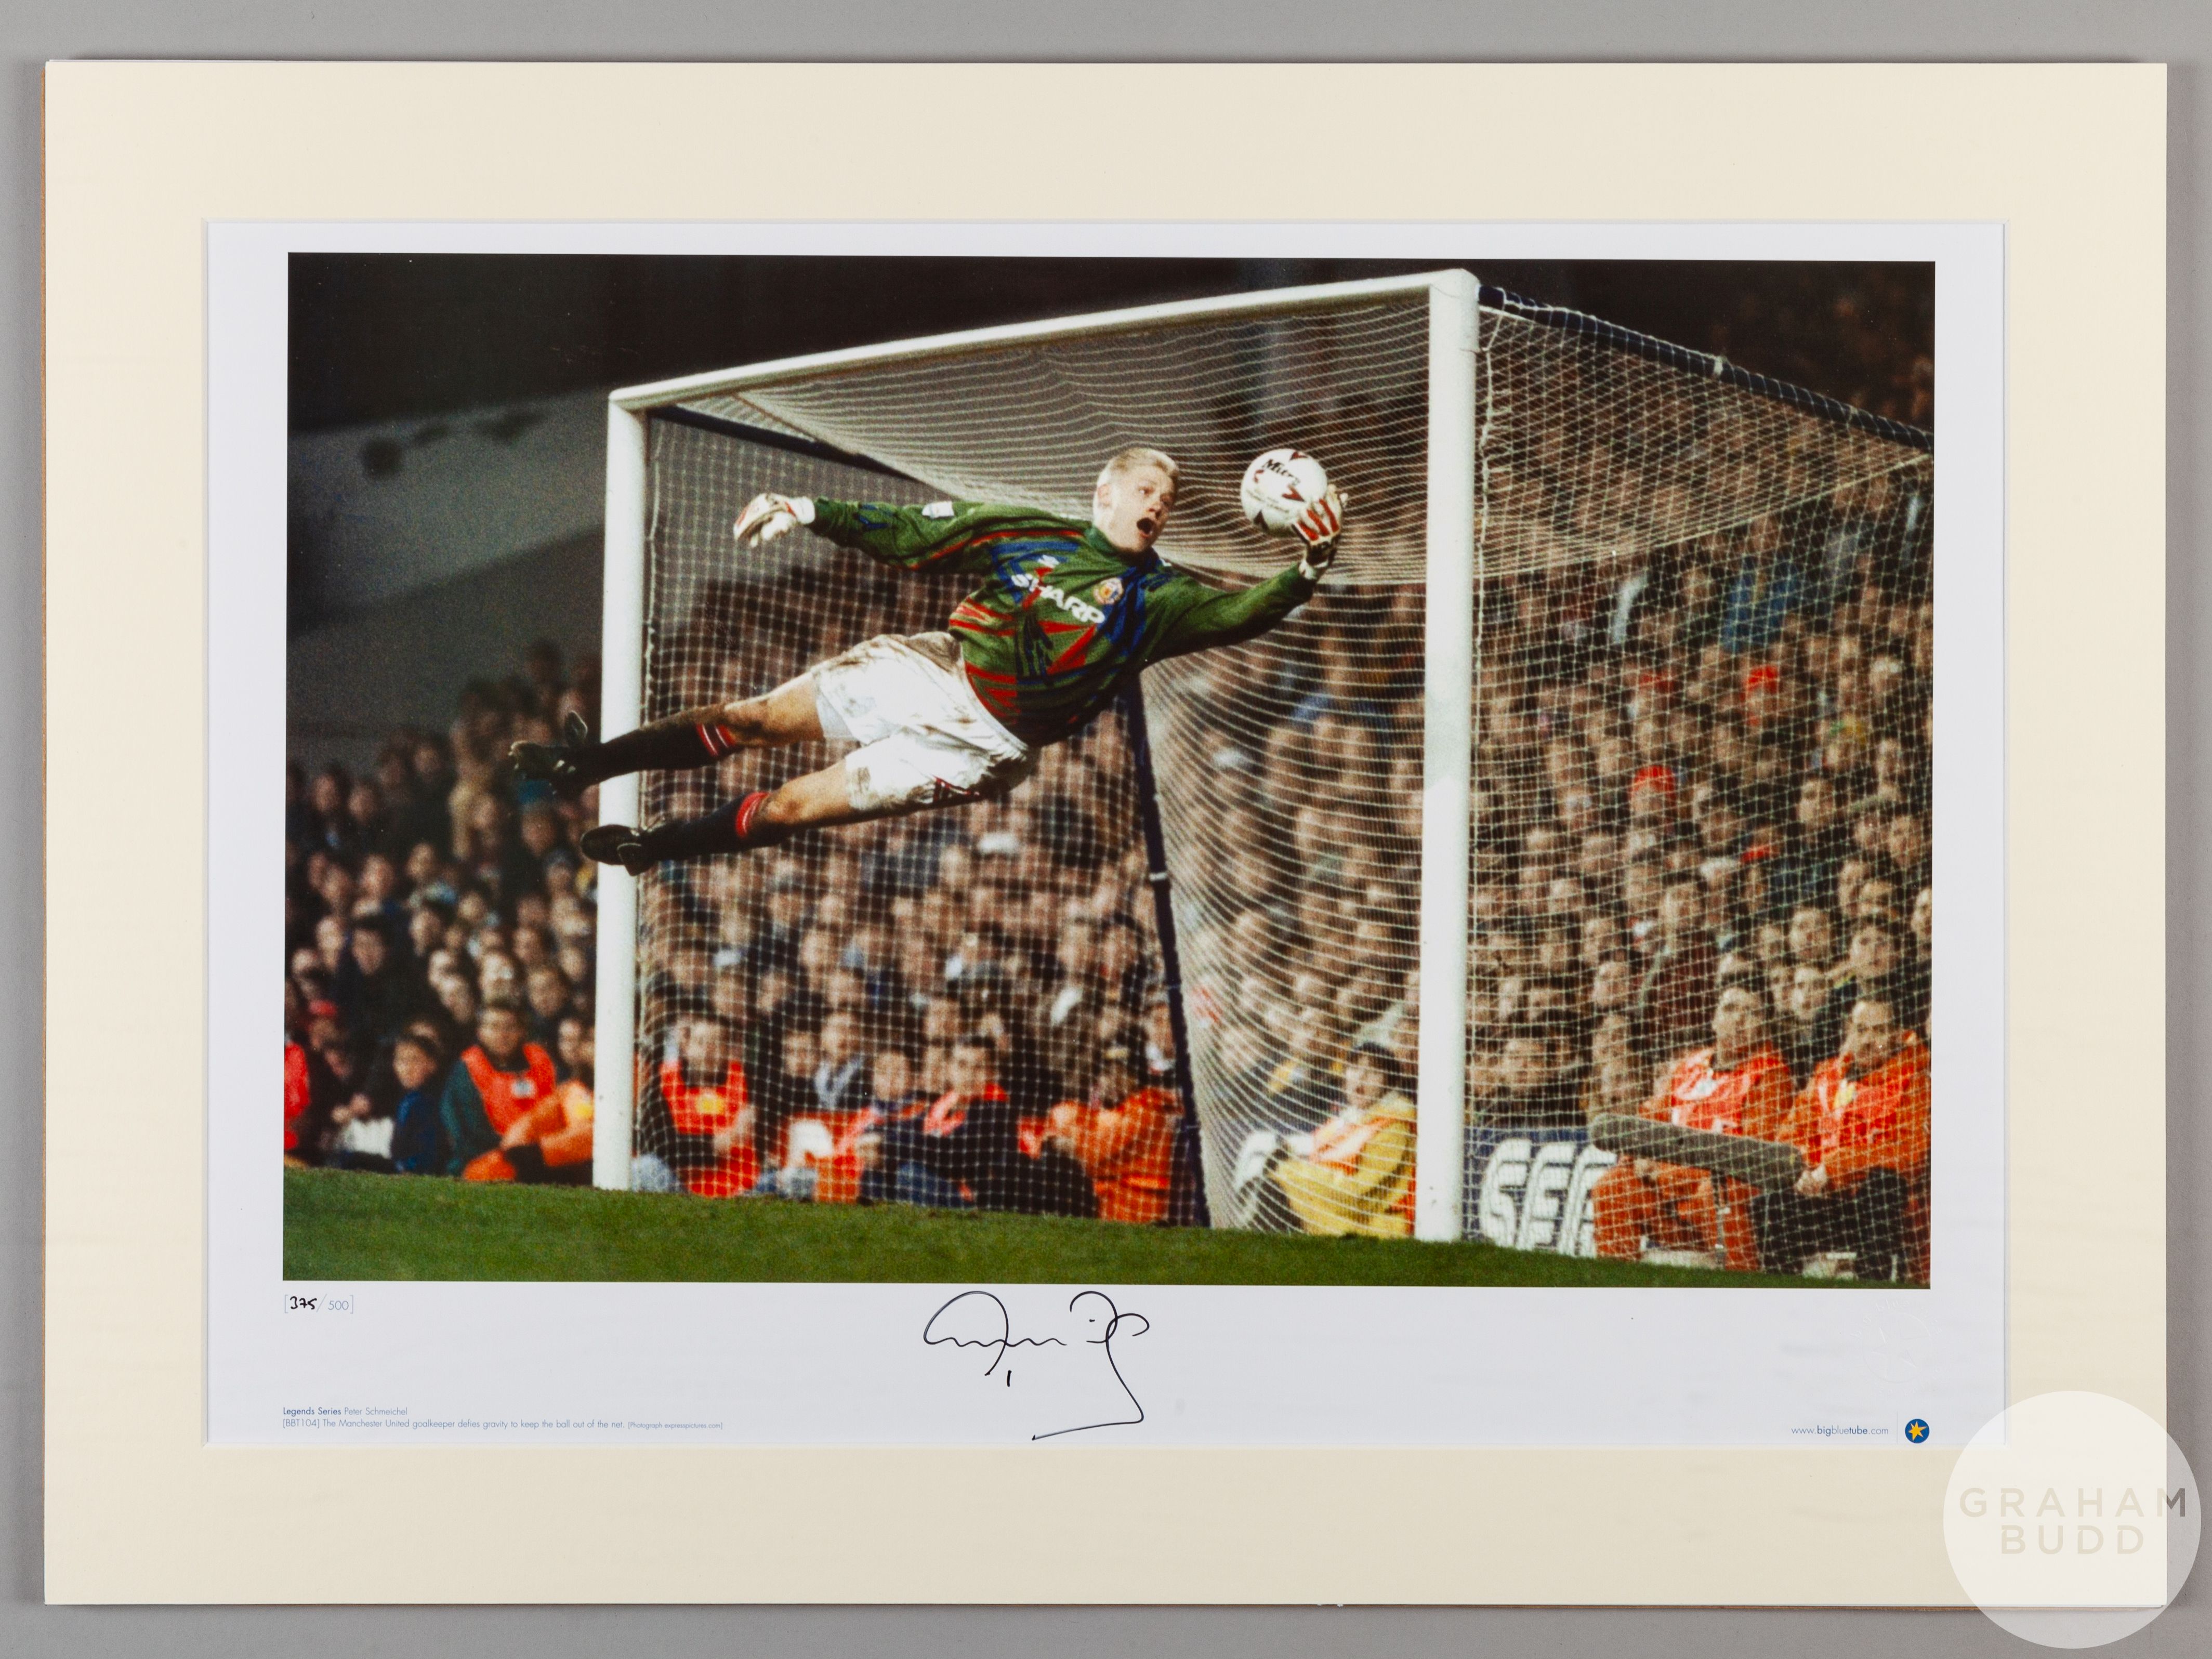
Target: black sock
x=695, y=838
x=727, y=828
x=673, y=745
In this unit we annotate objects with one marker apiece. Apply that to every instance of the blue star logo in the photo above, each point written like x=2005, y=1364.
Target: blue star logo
x=1917, y=1430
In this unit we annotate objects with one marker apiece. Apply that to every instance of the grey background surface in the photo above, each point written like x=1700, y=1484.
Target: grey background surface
x=2178, y=31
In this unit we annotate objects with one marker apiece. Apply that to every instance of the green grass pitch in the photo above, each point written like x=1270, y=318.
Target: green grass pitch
x=342, y=1227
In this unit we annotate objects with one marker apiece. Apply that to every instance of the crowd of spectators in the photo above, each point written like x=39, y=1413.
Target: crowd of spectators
x=1680, y=803
x=1708, y=771
x=439, y=930
x=967, y=1003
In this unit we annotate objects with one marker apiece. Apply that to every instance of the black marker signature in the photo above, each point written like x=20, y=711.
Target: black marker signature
x=1104, y=1343
x=995, y=1334
x=981, y=1321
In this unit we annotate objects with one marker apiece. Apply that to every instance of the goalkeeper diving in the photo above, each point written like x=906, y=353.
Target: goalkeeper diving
x=1063, y=615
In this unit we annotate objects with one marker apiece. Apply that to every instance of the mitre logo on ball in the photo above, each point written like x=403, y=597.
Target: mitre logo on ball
x=1279, y=486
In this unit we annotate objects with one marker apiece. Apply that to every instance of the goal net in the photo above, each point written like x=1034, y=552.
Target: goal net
x=1603, y=611
x=1703, y=651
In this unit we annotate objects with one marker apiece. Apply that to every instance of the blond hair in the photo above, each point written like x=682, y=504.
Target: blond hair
x=1122, y=460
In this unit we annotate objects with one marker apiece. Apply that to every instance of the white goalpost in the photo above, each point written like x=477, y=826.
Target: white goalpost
x=1448, y=751
x=1415, y=782
x=620, y=696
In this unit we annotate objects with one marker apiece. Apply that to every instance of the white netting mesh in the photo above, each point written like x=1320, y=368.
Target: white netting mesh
x=1703, y=641
x=1593, y=451
x=1029, y=424
x=1693, y=602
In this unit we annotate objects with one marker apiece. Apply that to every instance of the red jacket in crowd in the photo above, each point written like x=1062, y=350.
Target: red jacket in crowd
x=1849, y=1126
x=1677, y=1208
x=698, y=1109
x=297, y=1095
x=1128, y=1151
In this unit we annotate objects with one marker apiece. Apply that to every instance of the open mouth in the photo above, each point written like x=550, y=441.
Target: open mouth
x=1148, y=527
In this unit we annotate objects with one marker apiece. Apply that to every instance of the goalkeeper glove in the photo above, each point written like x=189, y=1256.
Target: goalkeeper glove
x=768, y=515
x=1318, y=527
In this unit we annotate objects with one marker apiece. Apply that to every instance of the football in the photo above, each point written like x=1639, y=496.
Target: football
x=1279, y=486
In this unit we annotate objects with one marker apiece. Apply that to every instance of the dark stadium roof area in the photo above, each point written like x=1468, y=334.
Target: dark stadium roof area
x=380, y=337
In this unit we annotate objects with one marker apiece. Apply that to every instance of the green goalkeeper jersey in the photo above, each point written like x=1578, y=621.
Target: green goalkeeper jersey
x=1061, y=619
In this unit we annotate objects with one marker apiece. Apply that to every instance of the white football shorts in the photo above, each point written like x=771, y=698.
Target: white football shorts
x=926, y=738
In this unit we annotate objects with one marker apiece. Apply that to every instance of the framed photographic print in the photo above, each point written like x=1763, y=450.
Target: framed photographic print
x=1239, y=856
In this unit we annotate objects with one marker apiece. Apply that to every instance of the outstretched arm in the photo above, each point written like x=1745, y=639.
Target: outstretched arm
x=1214, y=618
x=1230, y=618
x=941, y=536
